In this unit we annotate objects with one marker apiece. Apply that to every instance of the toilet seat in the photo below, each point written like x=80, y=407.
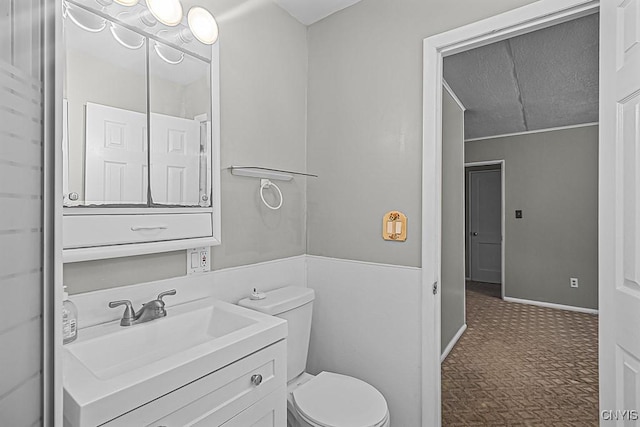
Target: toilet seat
x=333, y=400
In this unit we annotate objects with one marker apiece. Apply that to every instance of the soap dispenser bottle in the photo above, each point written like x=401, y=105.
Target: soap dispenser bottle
x=69, y=319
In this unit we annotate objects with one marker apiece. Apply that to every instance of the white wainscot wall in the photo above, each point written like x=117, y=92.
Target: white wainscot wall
x=367, y=324
x=366, y=319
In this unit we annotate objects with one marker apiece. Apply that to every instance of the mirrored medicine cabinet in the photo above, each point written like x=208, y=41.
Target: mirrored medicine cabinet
x=140, y=134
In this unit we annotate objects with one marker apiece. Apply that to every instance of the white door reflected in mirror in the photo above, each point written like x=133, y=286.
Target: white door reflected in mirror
x=116, y=156
x=175, y=156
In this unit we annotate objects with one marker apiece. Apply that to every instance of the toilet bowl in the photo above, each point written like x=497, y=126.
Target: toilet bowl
x=327, y=399
x=334, y=400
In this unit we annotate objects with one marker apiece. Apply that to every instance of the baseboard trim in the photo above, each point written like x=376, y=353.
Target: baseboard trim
x=453, y=342
x=552, y=305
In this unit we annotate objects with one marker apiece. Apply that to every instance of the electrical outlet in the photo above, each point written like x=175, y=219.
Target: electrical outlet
x=574, y=282
x=204, y=259
x=198, y=260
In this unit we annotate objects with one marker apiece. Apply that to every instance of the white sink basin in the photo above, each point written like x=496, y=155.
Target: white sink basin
x=123, y=349
x=113, y=369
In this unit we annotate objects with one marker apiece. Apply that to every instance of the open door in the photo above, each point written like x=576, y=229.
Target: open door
x=540, y=14
x=619, y=211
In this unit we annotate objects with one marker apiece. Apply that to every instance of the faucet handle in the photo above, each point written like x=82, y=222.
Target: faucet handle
x=129, y=313
x=164, y=294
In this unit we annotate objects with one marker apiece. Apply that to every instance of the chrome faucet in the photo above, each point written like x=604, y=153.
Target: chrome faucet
x=149, y=311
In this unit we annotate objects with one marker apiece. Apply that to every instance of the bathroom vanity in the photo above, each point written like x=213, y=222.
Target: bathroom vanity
x=208, y=363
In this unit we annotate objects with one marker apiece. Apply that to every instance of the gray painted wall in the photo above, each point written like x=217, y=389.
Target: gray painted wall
x=365, y=121
x=452, y=280
x=553, y=178
x=263, y=78
x=364, y=140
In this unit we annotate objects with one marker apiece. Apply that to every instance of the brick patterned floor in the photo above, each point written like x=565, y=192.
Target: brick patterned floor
x=521, y=365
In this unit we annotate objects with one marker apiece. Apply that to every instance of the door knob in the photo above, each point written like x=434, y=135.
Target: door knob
x=475, y=233
x=256, y=379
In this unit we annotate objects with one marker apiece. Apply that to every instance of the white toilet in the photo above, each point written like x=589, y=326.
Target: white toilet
x=328, y=399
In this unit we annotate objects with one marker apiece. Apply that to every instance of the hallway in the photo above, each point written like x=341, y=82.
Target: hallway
x=519, y=364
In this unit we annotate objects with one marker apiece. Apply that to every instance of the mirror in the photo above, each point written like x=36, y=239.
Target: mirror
x=137, y=115
x=180, y=106
x=105, y=104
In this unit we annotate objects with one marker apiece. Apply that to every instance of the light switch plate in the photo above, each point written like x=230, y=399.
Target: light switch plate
x=198, y=260
x=394, y=226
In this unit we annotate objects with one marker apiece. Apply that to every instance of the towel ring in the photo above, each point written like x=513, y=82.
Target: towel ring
x=265, y=183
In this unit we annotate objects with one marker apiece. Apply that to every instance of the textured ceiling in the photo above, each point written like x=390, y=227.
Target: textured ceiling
x=540, y=80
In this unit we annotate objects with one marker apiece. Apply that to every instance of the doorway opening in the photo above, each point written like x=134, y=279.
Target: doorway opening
x=484, y=222
x=452, y=43
x=507, y=89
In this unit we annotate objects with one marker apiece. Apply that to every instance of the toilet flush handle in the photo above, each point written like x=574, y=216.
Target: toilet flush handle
x=256, y=379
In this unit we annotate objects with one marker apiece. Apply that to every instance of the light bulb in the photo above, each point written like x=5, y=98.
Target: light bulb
x=203, y=25
x=127, y=2
x=169, y=12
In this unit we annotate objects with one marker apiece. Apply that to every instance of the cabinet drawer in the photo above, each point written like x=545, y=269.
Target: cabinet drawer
x=216, y=397
x=269, y=412
x=82, y=231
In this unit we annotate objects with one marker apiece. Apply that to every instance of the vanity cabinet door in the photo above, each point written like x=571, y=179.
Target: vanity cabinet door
x=269, y=412
x=218, y=397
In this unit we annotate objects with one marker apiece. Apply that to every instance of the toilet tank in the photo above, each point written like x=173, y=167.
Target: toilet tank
x=295, y=305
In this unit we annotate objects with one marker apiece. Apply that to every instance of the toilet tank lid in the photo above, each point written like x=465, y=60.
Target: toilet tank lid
x=280, y=300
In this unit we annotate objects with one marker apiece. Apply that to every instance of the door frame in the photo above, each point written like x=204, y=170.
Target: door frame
x=502, y=215
x=52, y=351
x=532, y=17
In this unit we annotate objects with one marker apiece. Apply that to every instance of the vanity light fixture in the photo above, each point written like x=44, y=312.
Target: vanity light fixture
x=135, y=18
x=179, y=36
x=203, y=25
x=169, y=12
